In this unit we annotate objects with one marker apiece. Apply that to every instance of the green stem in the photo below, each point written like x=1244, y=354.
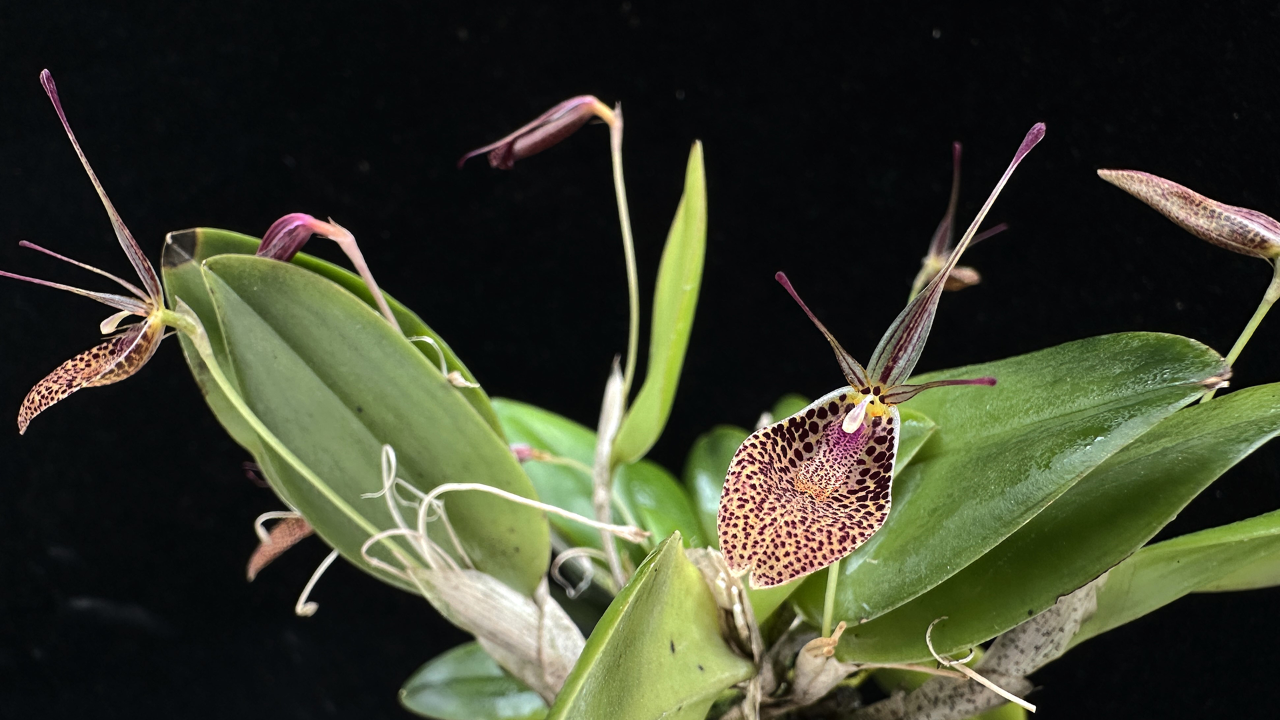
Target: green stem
x=829, y=604
x=628, y=250
x=190, y=326
x=1268, y=299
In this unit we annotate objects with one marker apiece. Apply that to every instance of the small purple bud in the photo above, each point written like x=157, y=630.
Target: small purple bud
x=546, y=130
x=1238, y=229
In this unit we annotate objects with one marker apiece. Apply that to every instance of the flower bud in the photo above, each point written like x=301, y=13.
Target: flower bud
x=1238, y=229
x=546, y=130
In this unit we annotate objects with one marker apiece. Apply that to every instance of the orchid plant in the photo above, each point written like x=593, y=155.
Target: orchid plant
x=598, y=584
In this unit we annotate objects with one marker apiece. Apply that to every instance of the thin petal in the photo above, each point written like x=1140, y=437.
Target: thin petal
x=546, y=130
x=112, y=361
x=1238, y=229
x=123, y=283
x=803, y=493
x=852, y=369
x=946, y=232
x=902, y=393
x=286, y=533
x=146, y=273
x=899, y=350
x=119, y=302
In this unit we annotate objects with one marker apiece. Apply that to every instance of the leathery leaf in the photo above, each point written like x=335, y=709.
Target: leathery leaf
x=466, y=684
x=184, y=250
x=333, y=381
x=1102, y=519
x=1159, y=574
x=657, y=652
x=1002, y=454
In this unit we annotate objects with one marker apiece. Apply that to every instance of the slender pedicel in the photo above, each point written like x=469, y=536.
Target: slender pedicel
x=802, y=493
x=552, y=127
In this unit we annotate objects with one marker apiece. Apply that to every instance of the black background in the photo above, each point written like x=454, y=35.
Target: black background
x=124, y=515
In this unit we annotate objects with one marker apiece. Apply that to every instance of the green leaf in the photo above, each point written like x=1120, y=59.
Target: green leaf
x=334, y=382
x=1159, y=574
x=657, y=652
x=1002, y=454
x=647, y=493
x=184, y=250
x=789, y=405
x=1264, y=572
x=675, y=298
x=704, y=472
x=1101, y=520
x=466, y=684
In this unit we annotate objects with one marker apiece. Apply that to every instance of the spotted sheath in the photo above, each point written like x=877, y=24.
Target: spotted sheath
x=802, y=493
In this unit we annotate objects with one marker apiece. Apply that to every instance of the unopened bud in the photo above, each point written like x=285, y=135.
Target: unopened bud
x=546, y=130
x=1238, y=229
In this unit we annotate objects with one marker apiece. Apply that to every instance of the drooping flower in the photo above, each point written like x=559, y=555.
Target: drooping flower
x=802, y=493
x=944, y=237
x=127, y=351
x=546, y=130
x=286, y=236
x=1237, y=229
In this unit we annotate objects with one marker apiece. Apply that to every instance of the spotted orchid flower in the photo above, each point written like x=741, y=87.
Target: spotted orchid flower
x=133, y=345
x=802, y=493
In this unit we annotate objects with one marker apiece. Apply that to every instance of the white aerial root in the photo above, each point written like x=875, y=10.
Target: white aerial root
x=304, y=607
x=588, y=569
x=263, y=534
x=626, y=532
x=454, y=377
x=972, y=674
x=430, y=508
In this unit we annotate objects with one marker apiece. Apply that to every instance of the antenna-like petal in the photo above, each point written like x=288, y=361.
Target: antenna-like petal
x=139, y=261
x=899, y=350
x=853, y=371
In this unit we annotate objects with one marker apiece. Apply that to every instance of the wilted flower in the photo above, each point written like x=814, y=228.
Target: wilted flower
x=804, y=492
x=124, y=353
x=286, y=236
x=544, y=131
x=940, y=247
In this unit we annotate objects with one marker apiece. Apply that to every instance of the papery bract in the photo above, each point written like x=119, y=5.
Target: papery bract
x=802, y=493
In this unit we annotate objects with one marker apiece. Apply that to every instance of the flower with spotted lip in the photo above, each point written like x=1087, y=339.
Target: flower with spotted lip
x=124, y=353
x=802, y=493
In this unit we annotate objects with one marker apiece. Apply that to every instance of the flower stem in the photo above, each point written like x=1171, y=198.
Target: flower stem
x=829, y=604
x=628, y=249
x=1268, y=299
